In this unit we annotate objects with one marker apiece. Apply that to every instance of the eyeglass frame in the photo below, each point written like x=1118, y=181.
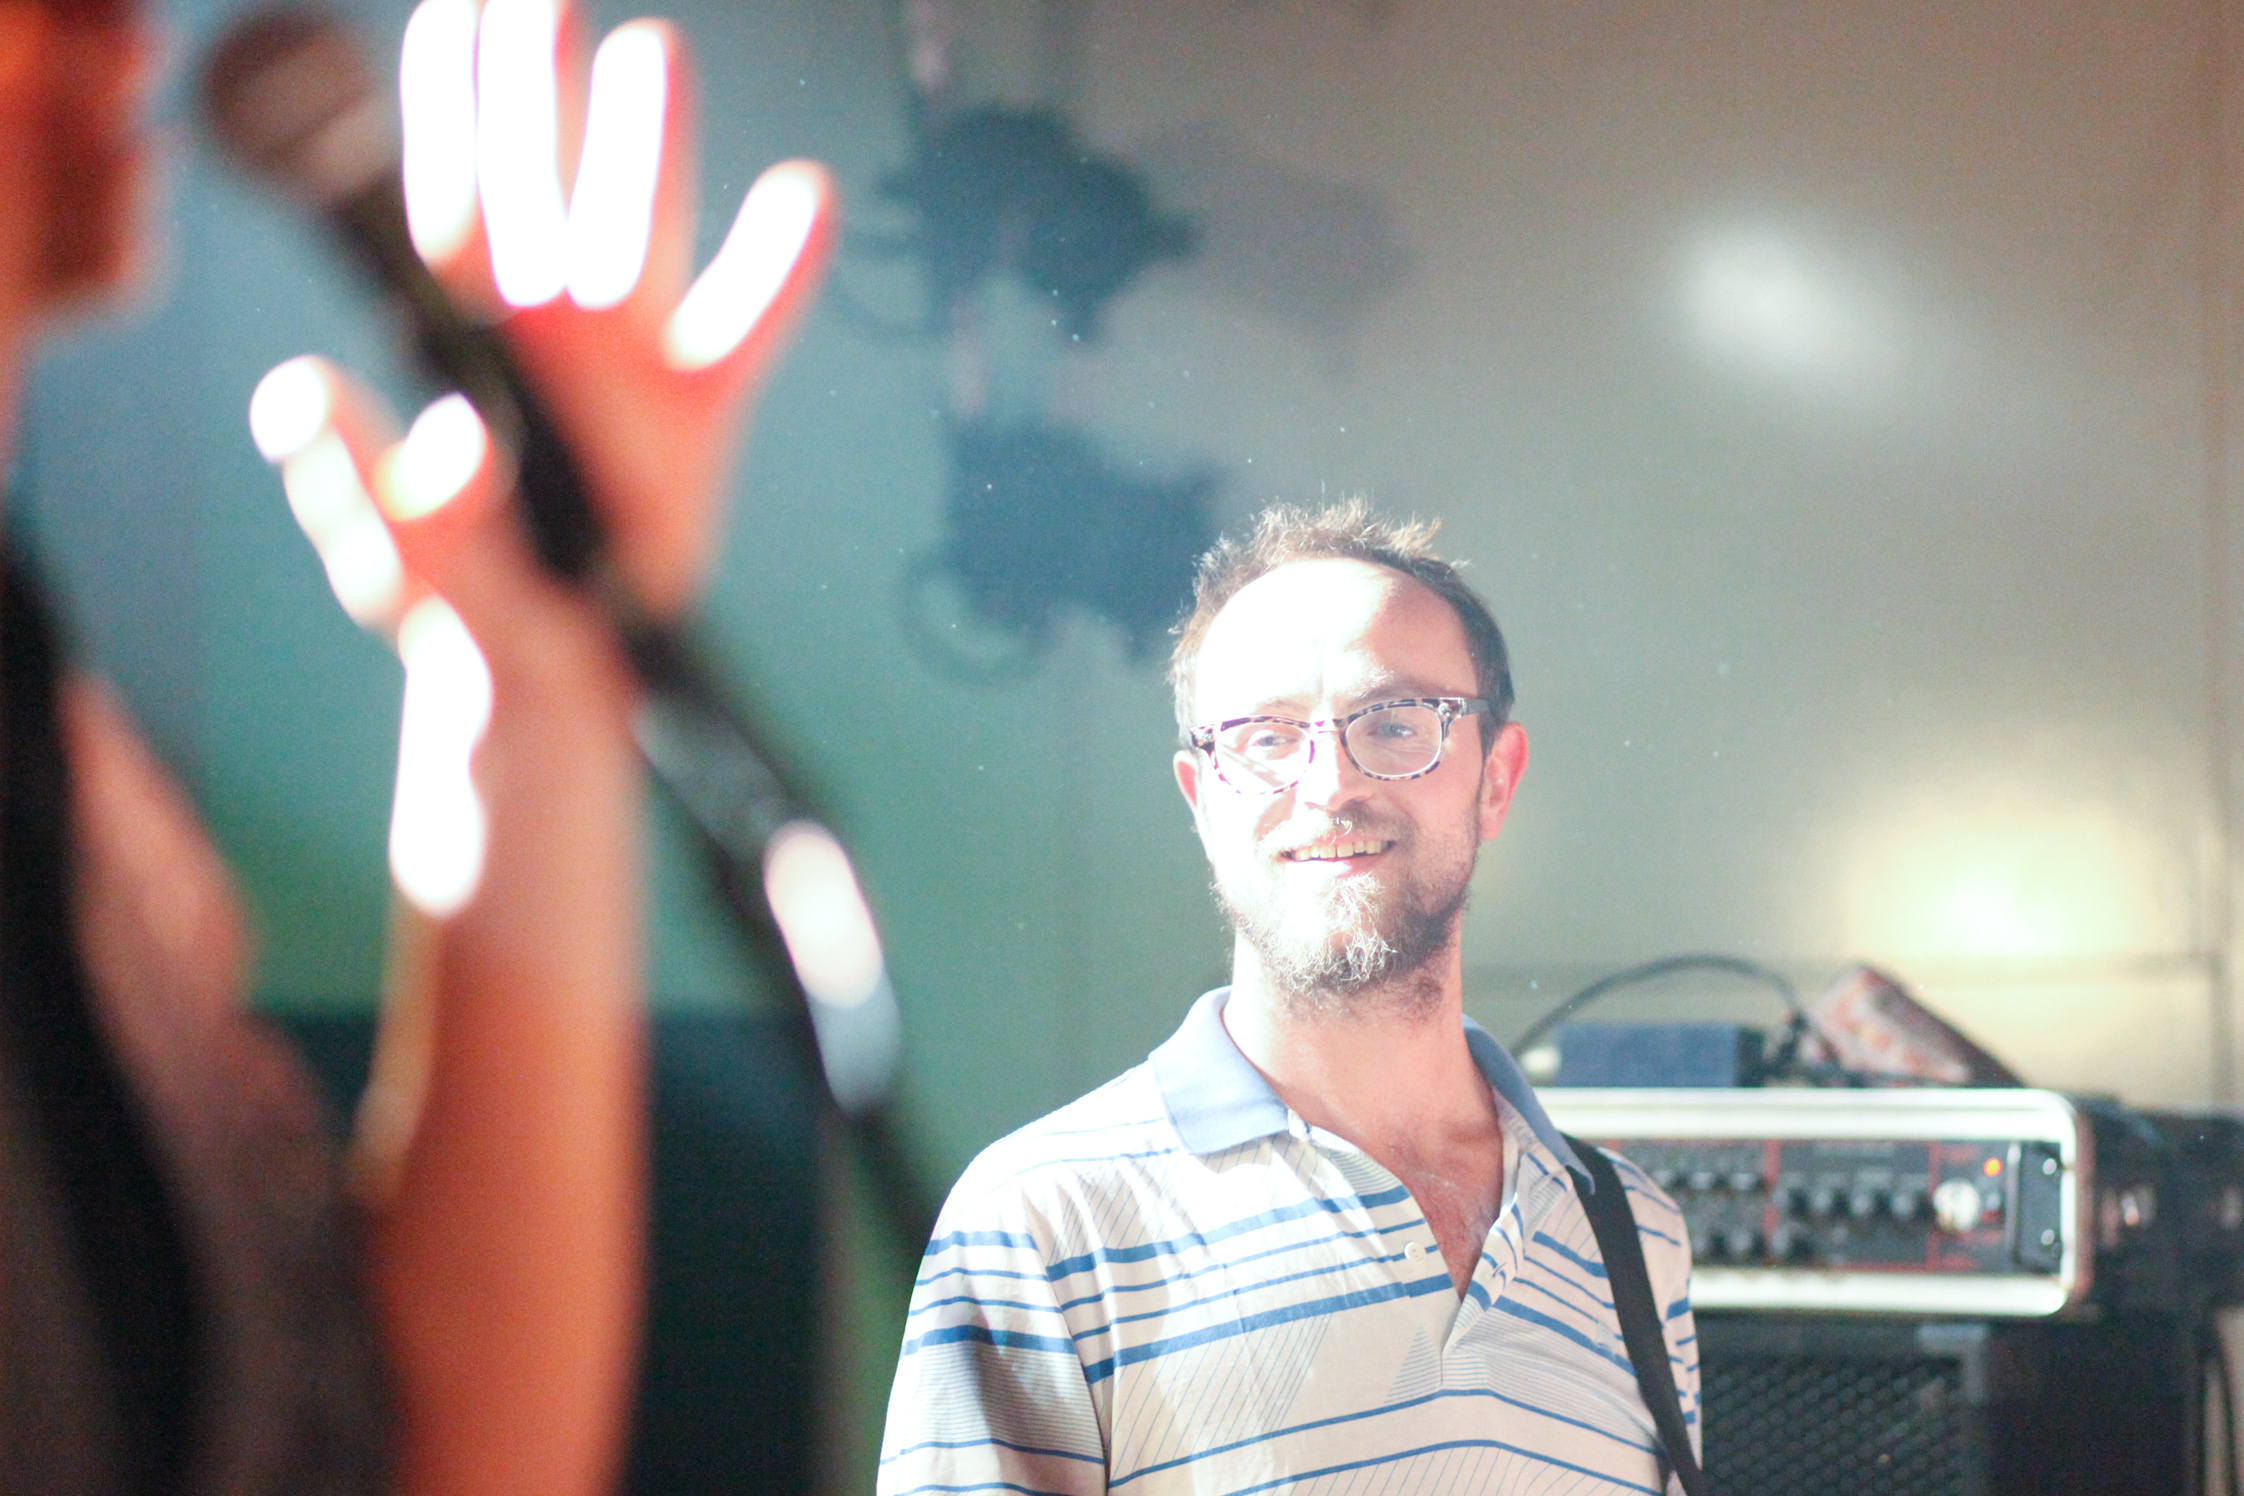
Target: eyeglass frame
x=1448, y=708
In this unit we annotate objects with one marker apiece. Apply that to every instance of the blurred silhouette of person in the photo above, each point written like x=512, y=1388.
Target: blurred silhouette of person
x=190, y=1298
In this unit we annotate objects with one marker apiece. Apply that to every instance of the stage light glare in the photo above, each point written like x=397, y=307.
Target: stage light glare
x=766, y=239
x=288, y=409
x=439, y=455
x=611, y=211
x=438, y=828
x=436, y=98
x=518, y=161
x=822, y=914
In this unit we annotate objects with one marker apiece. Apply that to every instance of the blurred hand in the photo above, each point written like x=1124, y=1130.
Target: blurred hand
x=567, y=204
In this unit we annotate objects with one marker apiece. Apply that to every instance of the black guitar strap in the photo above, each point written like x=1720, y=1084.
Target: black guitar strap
x=1623, y=1251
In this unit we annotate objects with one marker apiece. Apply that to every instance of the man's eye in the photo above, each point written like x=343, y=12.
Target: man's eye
x=1392, y=729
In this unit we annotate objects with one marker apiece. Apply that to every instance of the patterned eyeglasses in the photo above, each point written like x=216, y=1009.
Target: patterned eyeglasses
x=1392, y=740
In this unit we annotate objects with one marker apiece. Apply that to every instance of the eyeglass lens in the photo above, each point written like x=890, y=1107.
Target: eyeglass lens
x=1393, y=742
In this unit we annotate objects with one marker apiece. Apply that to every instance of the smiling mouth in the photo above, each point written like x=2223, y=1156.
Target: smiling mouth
x=1337, y=851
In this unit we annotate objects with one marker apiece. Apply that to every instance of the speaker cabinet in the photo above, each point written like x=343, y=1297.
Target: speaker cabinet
x=1892, y=1407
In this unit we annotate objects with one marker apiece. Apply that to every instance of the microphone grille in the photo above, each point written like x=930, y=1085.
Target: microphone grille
x=287, y=94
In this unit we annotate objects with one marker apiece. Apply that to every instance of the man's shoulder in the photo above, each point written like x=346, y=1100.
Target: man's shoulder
x=1659, y=1220
x=1118, y=1128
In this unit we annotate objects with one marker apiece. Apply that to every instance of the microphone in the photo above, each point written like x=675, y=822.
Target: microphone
x=287, y=95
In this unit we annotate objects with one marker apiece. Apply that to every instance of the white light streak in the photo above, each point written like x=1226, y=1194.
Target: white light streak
x=288, y=409
x=735, y=291
x=364, y=570
x=836, y=951
x=612, y=209
x=821, y=912
x=436, y=95
x=517, y=150
x=337, y=516
x=439, y=455
x=438, y=829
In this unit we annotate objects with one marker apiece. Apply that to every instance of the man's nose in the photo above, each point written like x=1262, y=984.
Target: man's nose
x=1332, y=776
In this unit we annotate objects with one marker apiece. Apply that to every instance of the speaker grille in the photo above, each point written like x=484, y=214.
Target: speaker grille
x=1781, y=1425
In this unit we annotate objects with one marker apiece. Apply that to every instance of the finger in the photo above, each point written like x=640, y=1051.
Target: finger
x=445, y=491
x=518, y=148
x=436, y=102
x=326, y=435
x=736, y=316
x=627, y=143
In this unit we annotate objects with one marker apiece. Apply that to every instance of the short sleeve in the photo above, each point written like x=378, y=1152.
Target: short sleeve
x=990, y=1393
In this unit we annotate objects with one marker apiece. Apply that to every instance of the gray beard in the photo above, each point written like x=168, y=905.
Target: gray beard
x=1381, y=964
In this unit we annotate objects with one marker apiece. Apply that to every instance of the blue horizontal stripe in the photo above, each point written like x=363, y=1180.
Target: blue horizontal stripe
x=1338, y=1419
x=1070, y=1266
x=996, y=1443
x=1098, y=1371
x=1010, y=1340
x=978, y=1239
x=1536, y=1455
x=1537, y=1317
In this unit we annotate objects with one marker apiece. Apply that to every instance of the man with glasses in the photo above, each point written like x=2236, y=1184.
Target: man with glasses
x=1325, y=1237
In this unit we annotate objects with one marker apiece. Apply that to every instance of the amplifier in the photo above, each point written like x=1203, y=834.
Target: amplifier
x=1980, y=1202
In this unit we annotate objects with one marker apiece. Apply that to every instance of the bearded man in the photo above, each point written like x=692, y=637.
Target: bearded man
x=1325, y=1237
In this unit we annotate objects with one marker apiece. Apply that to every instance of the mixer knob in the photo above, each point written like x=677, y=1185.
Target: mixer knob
x=1823, y=1200
x=1907, y=1204
x=1667, y=1176
x=1703, y=1181
x=1864, y=1203
x=1741, y=1243
x=1745, y=1181
x=1789, y=1244
x=1792, y=1200
x=1956, y=1206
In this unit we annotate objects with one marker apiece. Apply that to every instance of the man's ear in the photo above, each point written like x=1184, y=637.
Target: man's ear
x=1499, y=777
x=1188, y=766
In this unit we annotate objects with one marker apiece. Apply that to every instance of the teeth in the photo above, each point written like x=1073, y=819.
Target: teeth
x=1335, y=851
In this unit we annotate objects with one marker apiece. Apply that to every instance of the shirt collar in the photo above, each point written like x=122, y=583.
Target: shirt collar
x=1218, y=1100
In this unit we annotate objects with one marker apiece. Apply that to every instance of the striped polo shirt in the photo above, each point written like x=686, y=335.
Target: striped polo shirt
x=1175, y=1284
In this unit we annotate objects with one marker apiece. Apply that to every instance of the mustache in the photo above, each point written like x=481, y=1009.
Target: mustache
x=1343, y=825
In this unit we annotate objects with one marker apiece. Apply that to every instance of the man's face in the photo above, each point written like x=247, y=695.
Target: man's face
x=1343, y=883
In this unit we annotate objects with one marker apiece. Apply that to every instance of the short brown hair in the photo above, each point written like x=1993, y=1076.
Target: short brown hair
x=1350, y=530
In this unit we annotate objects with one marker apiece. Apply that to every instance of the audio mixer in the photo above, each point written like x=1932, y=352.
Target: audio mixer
x=1998, y=1201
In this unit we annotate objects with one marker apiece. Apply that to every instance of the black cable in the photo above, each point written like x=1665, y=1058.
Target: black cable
x=1650, y=971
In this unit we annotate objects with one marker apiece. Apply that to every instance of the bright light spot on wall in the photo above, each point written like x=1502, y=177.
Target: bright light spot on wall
x=612, y=208
x=436, y=98
x=1763, y=302
x=1996, y=865
x=437, y=824
x=766, y=239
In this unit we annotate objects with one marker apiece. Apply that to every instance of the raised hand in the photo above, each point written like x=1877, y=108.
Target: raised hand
x=511, y=1217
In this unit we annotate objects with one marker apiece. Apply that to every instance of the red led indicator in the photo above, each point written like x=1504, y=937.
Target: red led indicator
x=1992, y=1166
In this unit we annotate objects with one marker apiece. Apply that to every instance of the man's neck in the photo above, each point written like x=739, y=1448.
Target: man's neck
x=1391, y=1073
x=1378, y=1067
